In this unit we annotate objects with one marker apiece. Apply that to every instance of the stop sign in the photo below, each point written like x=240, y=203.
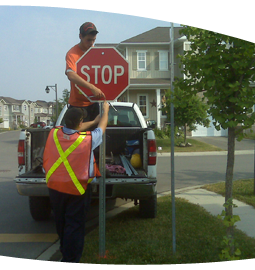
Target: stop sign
x=105, y=68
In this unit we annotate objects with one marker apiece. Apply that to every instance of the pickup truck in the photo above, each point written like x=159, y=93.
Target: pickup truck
x=127, y=134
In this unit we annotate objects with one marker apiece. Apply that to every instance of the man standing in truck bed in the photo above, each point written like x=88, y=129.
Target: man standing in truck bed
x=88, y=33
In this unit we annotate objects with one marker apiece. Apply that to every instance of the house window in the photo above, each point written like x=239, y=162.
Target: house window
x=143, y=104
x=15, y=107
x=5, y=108
x=141, y=60
x=25, y=107
x=163, y=60
x=0, y=110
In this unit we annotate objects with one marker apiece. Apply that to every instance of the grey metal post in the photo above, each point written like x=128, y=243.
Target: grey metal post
x=172, y=137
x=47, y=90
x=56, y=101
x=102, y=194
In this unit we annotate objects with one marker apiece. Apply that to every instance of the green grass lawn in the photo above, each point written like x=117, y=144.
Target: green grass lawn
x=243, y=190
x=4, y=129
x=132, y=240
x=197, y=146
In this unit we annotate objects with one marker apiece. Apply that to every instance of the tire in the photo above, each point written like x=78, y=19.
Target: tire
x=40, y=208
x=148, y=208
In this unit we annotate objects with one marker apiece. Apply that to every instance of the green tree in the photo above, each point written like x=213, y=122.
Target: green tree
x=61, y=103
x=189, y=110
x=1, y=120
x=64, y=100
x=222, y=67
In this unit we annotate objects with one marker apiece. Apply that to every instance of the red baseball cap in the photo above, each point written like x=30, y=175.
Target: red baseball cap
x=88, y=28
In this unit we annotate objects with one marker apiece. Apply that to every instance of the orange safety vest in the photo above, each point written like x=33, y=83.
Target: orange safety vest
x=66, y=161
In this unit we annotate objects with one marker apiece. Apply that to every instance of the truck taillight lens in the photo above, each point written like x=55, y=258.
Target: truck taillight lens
x=152, y=152
x=21, y=152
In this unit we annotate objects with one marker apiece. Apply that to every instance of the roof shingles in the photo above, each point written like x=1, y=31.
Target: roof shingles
x=155, y=35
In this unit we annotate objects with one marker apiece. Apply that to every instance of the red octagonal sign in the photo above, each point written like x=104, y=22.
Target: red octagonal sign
x=107, y=69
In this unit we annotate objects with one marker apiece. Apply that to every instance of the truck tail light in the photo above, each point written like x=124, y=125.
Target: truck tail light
x=152, y=152
x=21, y=152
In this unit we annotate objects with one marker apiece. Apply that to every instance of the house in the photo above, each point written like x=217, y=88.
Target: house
x=16, y=113
x=2, y=116
x=43, y=111
x=149, y=64
x=149, y=69
x=149, y=60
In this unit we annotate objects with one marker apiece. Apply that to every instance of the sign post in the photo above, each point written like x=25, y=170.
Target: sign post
x=108, y=70
x=172, y=138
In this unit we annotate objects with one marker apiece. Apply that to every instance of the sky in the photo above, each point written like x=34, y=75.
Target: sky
x=35, y=39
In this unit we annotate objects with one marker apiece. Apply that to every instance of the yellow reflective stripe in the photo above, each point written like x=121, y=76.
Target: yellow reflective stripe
x=90, y=179
x=63, y=158
x=56, y=164
x=60, y=160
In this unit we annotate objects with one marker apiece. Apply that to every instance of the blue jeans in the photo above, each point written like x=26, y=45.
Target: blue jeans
x=70, y=213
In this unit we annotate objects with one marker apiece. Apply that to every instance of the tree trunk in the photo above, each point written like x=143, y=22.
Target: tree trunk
x=230, y=168
x=229, y=182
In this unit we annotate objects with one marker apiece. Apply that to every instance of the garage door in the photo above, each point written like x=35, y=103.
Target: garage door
x=6, y=123
x=210, y=131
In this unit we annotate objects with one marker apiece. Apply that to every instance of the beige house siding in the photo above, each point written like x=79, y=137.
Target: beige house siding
x=1, y=113
x=177, y=61
x=150, y=72
x=31, y=113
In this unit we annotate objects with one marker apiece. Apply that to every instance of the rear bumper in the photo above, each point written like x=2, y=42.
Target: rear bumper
x=32, y=189
x=114, y=190
x=134, y=191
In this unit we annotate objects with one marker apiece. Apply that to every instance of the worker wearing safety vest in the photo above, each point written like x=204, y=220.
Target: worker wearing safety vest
x=69, y=166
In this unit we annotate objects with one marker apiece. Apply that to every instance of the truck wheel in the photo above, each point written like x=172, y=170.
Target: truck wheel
x=148, y=208
x=40, y=208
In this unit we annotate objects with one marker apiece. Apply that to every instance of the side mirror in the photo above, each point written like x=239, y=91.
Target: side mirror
x=151, y=123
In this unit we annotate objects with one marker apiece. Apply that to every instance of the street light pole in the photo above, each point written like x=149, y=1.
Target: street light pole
x=47, y=90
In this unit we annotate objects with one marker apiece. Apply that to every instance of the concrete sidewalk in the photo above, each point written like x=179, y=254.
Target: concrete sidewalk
x=213, y=203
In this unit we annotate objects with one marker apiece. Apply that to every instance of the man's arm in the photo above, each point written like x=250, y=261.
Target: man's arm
x=86, y=125
x=104, y=119
x=75, y=78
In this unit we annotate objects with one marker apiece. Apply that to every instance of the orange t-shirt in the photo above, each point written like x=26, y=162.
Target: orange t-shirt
x=76, y=98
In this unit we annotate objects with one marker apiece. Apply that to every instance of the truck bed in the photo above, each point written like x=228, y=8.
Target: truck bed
x=116, y=148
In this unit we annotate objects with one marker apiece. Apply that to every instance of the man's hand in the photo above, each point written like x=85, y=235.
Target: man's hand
x=104, y=120
x=75, y=78
x=97, y=93
x=106, y=107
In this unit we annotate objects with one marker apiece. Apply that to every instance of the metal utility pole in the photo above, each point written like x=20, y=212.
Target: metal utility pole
x=172, y=136
x=54, y=88
x=102, y=194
